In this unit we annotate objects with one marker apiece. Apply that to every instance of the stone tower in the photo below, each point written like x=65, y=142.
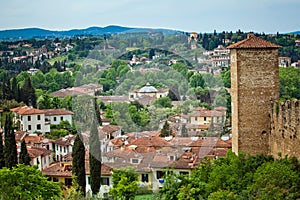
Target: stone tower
x=254, y=84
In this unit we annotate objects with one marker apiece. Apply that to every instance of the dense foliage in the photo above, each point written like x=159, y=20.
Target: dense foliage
x=125, y=184
x=26, y=182
x=237, y=177
x=289, y=79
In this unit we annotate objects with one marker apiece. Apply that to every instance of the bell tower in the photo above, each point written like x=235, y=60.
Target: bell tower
x=254, y=84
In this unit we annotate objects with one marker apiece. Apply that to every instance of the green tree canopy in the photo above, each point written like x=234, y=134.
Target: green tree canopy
x=125, y=184
x=26, y=182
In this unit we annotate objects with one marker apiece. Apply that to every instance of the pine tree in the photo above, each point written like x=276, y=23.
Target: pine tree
x=78, y=155
x=24, y=157
x=95, y=159
x=10, y=150
x=2, y=163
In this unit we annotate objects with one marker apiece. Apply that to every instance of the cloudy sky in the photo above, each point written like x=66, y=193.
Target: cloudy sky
x=267, y=16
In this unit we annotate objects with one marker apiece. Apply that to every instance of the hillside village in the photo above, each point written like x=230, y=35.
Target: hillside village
x=171, y=126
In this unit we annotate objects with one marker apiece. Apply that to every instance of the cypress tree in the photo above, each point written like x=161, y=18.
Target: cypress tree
x=24, y=156
x=28, y=93
x=78, y=155
x=95, y=159
x=97, y=112
x=2, y=163
x=10, y=150
x=15, y=89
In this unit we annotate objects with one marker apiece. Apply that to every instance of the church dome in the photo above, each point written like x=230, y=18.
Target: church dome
x=148, y=89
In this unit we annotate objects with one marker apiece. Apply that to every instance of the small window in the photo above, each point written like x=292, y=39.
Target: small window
x=38, y=117
x=54, y=119
x=145, y=178
x=60, y=148
x=29, y=127
x=89, y=180
x=61, y=118
x=68, y=182
x=55, y=179
x=159, y=174
x=196, y=118
x=183, y=173
x=45, y=160
x=64, y=149
x=134, y=161
x=38, y=127
x=105, y=181
x=172, y=158
x=204, y=118
x=29, y=118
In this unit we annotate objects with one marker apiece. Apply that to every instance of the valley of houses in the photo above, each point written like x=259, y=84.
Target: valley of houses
x=150, y=154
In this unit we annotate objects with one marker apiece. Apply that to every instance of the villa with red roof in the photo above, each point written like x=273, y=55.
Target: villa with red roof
x=31, y=119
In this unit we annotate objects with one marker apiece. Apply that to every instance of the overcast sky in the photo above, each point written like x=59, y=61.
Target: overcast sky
x=267, y=16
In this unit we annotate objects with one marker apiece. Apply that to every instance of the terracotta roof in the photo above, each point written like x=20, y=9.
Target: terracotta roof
x=105, y=169
x=253, y=42
x=36, y=151
x=207, y=113
x=150, y=142
x=110, y=128
x=59, y=169
x=65, y=141
x=33, y=139
x=50, y=112
x=20, y=135
x=27, y=110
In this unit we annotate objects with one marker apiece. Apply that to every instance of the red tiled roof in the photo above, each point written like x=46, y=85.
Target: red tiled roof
x=207, y=113
x=150, y=142
x=59, y=169
x=253, y=42
x=110, y=128
x=20, y=135
x=33, y=139
x=36, y=151
x=27, y=110
x=50, y=112
x=65, y=141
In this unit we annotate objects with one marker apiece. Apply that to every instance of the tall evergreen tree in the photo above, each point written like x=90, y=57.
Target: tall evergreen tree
x=2, y=163
x=97, y=112
x=10, y=150
x=28, y=93
x=15, y=89
x=95, y=158
x=78, y=155
x=24, y=157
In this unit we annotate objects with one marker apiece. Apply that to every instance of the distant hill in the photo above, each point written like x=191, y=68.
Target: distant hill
x=27, y=33
x=296, y=32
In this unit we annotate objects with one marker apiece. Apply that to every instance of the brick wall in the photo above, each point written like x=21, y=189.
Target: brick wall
x=254, y=84
x=285, y=128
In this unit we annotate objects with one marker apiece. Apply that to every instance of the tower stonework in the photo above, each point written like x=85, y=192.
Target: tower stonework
x=254, y=85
